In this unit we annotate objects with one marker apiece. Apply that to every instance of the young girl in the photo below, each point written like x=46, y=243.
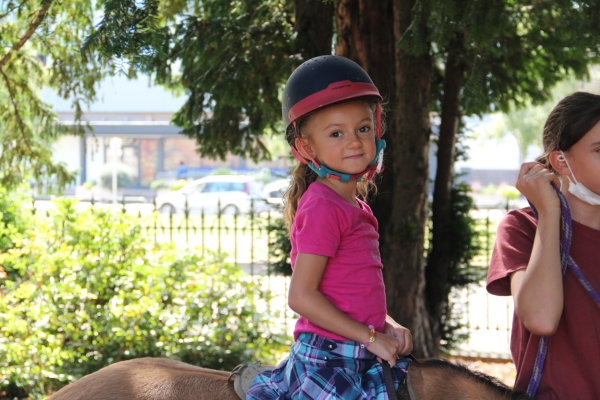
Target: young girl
x=526, y=262
x=331, y=111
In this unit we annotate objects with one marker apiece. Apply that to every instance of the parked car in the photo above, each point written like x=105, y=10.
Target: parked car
x=275, y=191
x=233, y=193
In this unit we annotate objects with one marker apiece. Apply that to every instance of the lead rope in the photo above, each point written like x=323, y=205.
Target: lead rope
x=389, y=380
x=566, y=234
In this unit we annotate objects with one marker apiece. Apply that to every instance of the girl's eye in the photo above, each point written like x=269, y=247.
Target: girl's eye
x=364, y=129
x=336, y=134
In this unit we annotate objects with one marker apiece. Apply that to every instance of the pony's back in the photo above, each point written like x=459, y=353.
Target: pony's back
x=150, y=379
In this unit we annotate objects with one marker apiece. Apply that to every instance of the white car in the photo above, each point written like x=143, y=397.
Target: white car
x=275, y=191
x=233, y=193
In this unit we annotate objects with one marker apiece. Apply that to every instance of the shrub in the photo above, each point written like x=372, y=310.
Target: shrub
x=88, y=185
x=178, y=184
x=15, y=221
x=223, y=171
x=158, y=184
x=125, y=175
x=97, y=291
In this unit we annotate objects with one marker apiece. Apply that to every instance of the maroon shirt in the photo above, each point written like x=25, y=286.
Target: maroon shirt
x=572, y=368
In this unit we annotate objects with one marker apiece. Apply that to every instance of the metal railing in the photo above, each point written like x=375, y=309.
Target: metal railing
x=247, y=241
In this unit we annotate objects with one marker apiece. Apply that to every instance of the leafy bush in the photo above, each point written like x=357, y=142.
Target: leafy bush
x=178, y=184
x=88, y=185
x=158, y=184
x=97, y=291
x=280, y=248
x=466, y=242
x=125, y=175
x=15, y=220
x=223, y=171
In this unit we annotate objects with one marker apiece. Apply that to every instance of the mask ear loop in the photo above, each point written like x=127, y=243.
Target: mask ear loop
x=562, y=157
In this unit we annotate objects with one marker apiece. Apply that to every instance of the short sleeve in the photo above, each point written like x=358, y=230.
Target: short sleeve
x=512, y=250
x=319, y=226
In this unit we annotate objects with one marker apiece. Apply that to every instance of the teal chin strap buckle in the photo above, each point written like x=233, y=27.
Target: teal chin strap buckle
x=374, y=167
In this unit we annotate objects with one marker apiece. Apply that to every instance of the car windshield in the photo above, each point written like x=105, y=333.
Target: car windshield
x=192, y=187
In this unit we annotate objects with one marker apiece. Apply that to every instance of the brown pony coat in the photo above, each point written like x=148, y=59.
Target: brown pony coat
x=164, y=379
x=150, y=379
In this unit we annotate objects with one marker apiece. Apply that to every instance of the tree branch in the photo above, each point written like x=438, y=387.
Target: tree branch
x=39, y=18
x=8, y=11
x=14, y=104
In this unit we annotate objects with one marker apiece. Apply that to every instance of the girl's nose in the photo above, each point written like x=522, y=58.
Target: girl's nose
x=354, y=141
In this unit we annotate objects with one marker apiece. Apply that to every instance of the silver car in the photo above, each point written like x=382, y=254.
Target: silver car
x=233, y=193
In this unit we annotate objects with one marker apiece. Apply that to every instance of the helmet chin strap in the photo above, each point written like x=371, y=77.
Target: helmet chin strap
x=374, y=167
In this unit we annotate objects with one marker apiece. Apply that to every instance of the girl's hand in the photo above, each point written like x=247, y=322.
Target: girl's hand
x=385, y=347
x=535, y=182
x=401, y=334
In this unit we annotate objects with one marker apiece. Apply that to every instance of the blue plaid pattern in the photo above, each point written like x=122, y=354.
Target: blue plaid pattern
x=325, y=369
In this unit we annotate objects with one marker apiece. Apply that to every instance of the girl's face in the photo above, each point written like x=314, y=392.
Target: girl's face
x=584, y=159
x=342, y=136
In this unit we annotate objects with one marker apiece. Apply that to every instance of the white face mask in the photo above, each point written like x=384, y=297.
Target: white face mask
x=577, y=189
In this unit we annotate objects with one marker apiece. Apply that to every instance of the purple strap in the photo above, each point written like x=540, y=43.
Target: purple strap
x=566, y=261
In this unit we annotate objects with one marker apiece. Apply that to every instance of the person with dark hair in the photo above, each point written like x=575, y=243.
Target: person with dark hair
x=332, y=116
x=546, y=257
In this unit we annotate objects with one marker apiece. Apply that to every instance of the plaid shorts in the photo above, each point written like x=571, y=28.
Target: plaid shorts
x=325, y=369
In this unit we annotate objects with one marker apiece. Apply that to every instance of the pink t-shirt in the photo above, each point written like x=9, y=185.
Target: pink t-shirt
x=325, y=224
x=572, y=368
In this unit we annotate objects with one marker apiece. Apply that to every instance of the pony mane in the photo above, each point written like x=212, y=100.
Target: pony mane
x=489, y=381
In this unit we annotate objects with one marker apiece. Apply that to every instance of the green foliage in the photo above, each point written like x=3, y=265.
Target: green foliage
x=466, y=243
x=514, y=51
x=125, y=175
x=15, y=221
x=97, y=291
x=223, y=171
x=178, y=184
x=231, y=58
x=39, y=47
x=158, y=184
x=509, y=192
x=490, y=189
x=88, y=185
x=279, y=248
x=264, y=175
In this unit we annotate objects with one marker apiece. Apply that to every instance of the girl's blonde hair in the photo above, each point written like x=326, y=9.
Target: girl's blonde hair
x=303, y=176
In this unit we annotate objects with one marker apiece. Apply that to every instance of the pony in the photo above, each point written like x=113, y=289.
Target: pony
x=164, y=379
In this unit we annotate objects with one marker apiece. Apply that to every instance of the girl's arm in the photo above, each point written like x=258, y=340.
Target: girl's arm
x=305, y=298
x=538, y=290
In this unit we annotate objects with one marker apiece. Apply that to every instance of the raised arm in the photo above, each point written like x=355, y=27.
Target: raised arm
x=305, y=298
x=538, y=290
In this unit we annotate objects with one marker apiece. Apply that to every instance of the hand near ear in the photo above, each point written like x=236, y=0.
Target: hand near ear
x=535, y=182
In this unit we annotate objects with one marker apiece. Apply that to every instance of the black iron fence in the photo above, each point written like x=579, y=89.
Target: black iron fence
x=247, y=241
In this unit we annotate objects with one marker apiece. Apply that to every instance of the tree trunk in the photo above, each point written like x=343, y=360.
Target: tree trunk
x=440, y=257
x=403, y=232
x=367, y=33
x=314, y=24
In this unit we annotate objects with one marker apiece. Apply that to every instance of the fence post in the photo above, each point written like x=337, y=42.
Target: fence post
x=155, y=217
x=202, y=229
x=186, y=215
x=219, y=211
x=252, y=238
